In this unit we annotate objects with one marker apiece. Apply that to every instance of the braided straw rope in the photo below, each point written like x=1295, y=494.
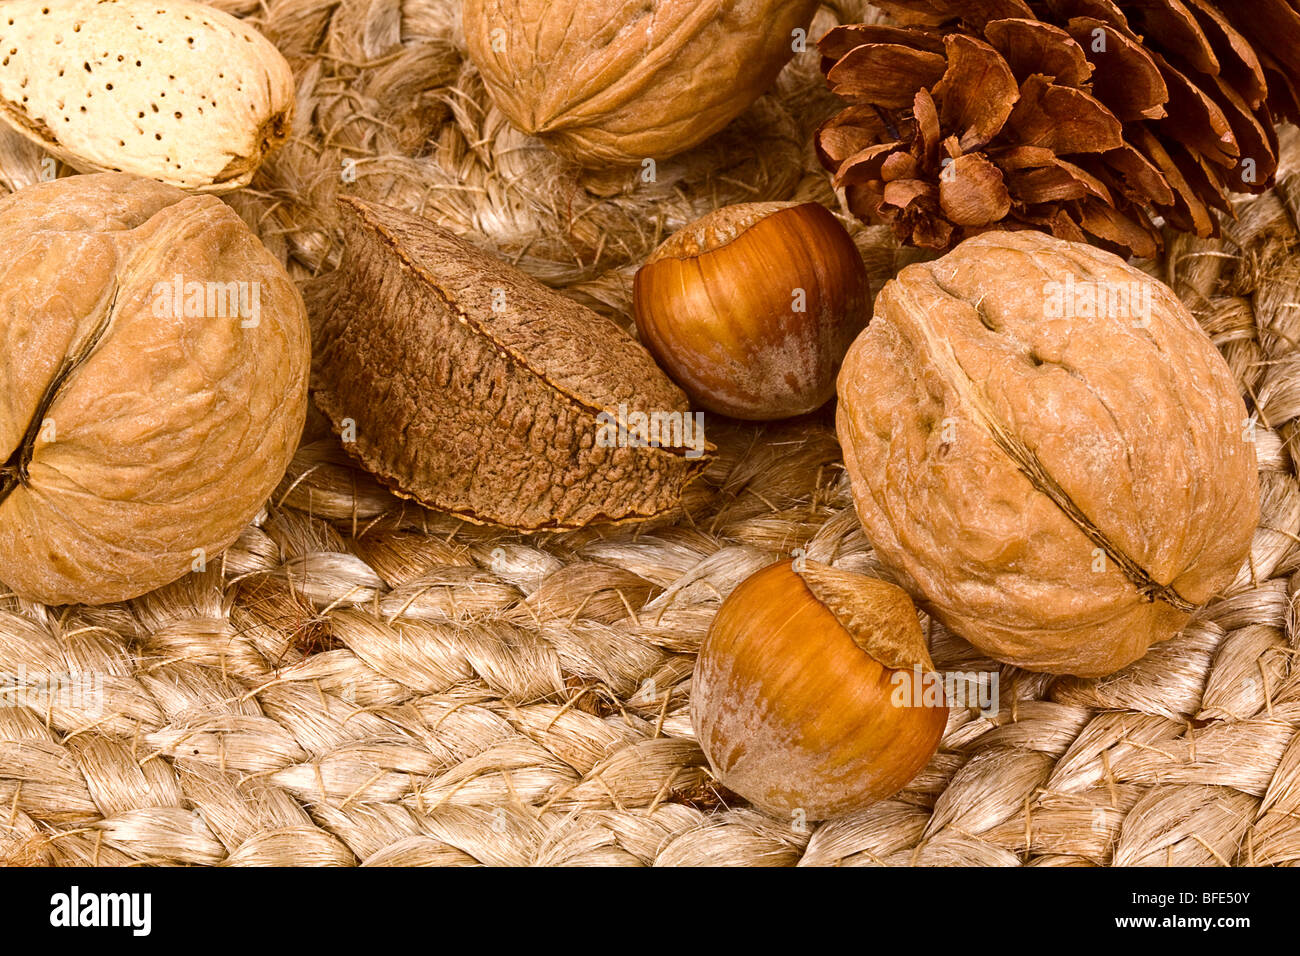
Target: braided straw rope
x=361, y=681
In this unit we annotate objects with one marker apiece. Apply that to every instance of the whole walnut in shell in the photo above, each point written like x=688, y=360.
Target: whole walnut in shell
x=622, y=82
x=154, y=361
x=1047, y=451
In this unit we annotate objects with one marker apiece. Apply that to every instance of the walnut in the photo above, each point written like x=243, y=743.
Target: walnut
x=154, y=360
x=618, y=83
x=1047, y=451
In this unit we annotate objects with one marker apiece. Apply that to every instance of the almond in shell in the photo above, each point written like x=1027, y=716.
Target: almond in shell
x=176, y=91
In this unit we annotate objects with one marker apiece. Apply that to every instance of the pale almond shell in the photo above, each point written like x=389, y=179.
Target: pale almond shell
x=178, y=91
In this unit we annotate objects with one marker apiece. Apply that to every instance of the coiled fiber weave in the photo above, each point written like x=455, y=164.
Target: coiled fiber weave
x=359, y=681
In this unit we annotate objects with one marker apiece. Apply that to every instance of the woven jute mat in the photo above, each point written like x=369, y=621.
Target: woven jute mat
x=362, y=681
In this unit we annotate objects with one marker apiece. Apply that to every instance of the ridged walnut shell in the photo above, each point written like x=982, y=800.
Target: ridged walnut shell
x=617, y=83
x=134, y=433
x=813, y=691
x=1061, y=489
x=472, y=388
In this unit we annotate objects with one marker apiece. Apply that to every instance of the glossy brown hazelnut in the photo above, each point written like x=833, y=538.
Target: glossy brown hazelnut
x=752, y=308
x=814, y=692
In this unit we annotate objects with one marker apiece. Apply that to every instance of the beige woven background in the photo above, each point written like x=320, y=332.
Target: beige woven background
x=361, y=681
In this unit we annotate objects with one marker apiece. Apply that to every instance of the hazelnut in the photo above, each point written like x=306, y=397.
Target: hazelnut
x=1047, y=451
x=751, y=309
x=810, y=692
x=154, y=360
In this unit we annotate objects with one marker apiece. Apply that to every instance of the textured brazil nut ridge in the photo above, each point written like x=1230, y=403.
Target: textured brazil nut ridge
x=1061, y=490
x=476, y=390
x=131, y=436
x=177, y=91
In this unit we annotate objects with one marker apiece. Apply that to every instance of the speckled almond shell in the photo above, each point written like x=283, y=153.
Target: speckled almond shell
x=1061, y=492
x=476, y=390
x=136, y=438
x=620, y=82
x=176, y=91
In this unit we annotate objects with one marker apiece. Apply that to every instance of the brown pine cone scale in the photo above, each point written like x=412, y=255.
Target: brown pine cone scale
x=1089, y=119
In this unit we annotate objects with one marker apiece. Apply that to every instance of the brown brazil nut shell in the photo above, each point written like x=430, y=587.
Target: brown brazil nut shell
x=176, y=91
x=616, y=83
x=478, y=391
x=136, y=438
x=1060, y=490
x=751, y=308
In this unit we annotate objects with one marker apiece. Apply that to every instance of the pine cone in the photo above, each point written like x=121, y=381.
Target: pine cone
x=1084, y=118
